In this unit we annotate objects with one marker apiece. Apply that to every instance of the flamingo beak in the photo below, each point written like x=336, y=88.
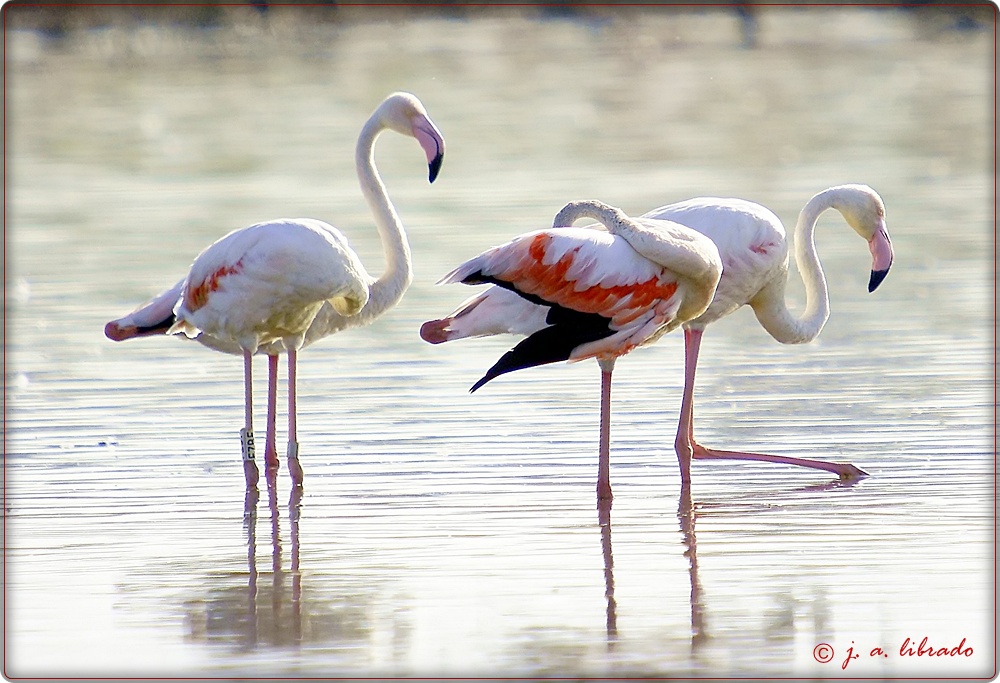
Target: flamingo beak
x=881, y=249
x=432, y=142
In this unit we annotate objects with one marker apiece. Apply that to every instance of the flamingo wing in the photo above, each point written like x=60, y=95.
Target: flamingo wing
x=603, y=298
x=268, y=281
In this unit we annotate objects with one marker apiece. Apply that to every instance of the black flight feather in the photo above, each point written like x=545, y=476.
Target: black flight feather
x=568, y=330
x=156, y=328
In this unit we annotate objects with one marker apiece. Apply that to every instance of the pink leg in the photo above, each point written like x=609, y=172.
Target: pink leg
x=604, y=458
x=684, y=443
x=844, y=470
x=246, y=434
x=270, y=451
x=294, y=467
x=687, y=447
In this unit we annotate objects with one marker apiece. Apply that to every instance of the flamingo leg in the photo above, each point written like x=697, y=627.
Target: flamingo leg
x=845, y=470
x=246, y=434
x=294, y=467
x=687, y=448
x=684, y=443
x=270, y=450
x=604, y=458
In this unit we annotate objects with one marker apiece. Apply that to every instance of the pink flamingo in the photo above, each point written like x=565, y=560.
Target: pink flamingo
x=752, y=243
x=281, y=285
x=595, y=294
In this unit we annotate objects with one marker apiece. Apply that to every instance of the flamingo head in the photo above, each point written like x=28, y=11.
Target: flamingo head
x=864, y=211
x=405, y=114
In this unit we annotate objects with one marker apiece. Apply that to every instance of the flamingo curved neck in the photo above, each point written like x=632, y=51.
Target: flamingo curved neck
x=770, y=306
x=388, y=289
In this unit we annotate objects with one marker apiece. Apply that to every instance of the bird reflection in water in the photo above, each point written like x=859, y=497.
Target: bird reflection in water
x=283, y=631
x=237, y=608
x=686, y=516
x=244, y=616
x=688, y=511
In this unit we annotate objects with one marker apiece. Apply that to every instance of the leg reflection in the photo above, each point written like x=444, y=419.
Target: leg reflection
x=250, y=522
x=294, y=512
x=277, y=578
x=686, y=516
x=604, y=520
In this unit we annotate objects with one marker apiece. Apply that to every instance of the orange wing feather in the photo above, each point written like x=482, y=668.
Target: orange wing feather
x=197, y=296
x=621, y=303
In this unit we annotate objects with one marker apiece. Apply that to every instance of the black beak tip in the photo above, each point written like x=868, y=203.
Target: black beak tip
x=435, y=167
x=876, y=280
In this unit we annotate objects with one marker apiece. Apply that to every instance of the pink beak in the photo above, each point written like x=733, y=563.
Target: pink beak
x=881, y=249
x=432, y=143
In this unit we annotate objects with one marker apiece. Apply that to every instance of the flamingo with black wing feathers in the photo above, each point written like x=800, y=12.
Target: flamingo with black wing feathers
x=752, y=243
x=595, y=294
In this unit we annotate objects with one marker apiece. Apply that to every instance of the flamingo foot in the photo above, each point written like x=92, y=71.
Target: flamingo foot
x=251, y=473
x=271, y=474
x=294, y=466
x=249, y=455
x=604, y=496
x=845, y=471
x=850, y=472
x=271, y=463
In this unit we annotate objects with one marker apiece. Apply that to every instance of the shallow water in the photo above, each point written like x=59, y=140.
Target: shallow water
x=442, y=533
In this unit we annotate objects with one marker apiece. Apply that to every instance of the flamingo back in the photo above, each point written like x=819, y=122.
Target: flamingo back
x=751, y=242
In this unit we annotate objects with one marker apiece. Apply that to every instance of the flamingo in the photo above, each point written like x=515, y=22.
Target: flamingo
x=281, y=285
x=751, y=240
x=755, y=250
x=594, y=294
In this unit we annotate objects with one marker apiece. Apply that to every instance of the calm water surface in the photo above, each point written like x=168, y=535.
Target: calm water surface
x=443, y=533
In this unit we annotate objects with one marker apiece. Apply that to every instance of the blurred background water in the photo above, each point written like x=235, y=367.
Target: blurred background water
x=446, y=534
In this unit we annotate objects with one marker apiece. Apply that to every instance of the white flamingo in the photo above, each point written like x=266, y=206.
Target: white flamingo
x=278, y=286
x=594, y=294
x=752, y=243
